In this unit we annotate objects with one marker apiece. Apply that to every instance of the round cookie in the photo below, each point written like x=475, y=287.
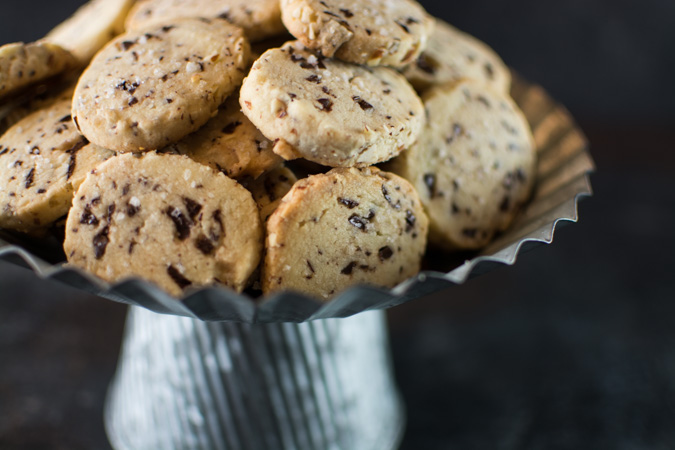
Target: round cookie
x=230, y=143
x=258, y=18
x=22, y=65
x=372, y=32
x=90, y=28
x=166, y=219
x=346, y=227
x=474, y=165
x=330, y=112
x=452, y=55
x=43, y=160
x=150, y=88
x=40, y=97
x=270, y=188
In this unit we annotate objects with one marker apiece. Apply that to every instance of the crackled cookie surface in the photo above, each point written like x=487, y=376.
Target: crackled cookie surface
x=91, y=27
x=230, y=143
x=342, y=228
x=258, y=18
x=330, y=112
x=150, y=88
x=22, y=65
x=166, y=219
x=452, y=55
x=474, y=165
x=372, y=32
x=43, y=160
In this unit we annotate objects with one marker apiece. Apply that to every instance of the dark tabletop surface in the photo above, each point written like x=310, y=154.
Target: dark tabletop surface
x=571, y=348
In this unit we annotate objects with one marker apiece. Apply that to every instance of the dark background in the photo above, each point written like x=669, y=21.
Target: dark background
x=571, y=348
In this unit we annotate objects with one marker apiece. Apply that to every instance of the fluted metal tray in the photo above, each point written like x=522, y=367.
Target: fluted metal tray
x=562, y=179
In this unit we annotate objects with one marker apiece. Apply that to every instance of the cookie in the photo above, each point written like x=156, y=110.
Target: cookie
x=166, y=219
x=150, y=88
x=230, y=143
x=259, y=18
x=474, y=165
x=328, y=111
x=43, y=160
x=346, y=227
x=90, y=28
x=270, y=188
x=372, y=32
x=452, y=55
x=22, y=65
x=38, y=97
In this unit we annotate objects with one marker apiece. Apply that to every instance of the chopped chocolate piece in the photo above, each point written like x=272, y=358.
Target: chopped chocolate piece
x=349, y=268
x=182, y=223
x=178, y=277
x=100, y=242
x=132, y=209
x=402, y=25
x=410, y=220
x=71, y=166
x=351, y=204
x=205, y=245
x=126, y=45
x=193, y=207
x=88, y=217
x=30, y=177
x=385, y=253
x=362, y=103
x=430, y=182
x=326, y=104
x=358, y=221
x=111, y=211
x=387, y=197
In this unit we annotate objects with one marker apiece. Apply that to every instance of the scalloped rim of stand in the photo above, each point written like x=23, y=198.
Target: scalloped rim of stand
x=555, y=133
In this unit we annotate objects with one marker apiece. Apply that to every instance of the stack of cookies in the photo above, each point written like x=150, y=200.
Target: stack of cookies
x=196, y=142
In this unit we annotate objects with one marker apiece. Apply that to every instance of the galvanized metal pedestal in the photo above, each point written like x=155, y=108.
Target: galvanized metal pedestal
x=188, y=384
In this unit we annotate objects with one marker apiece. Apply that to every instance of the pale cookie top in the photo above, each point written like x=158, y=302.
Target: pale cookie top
x=474, y=165
x=91, y=27
x=270, y=188
x=330, y=112
x=452, y=55
x=346, y=227
x=258, y=18
x=22, y=65
x=230, y=143
x=166, y=219
x=372, y=32
x=43, y=160
x=150, y=88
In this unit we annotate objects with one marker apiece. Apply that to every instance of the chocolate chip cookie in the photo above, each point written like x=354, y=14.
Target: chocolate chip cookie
x=371, y=32
x=230, y=143
x=22, y=65
x=150, y=88
x=328, y=111
x=167, y=219
x=43, y=160
x=346, y=227
x=452, y=55
x=474, y=165
x=259, y=18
